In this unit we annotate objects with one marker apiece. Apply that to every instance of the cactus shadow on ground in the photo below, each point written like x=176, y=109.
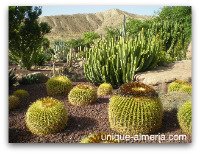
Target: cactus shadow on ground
x=17, y=135
x=75, y=123
x=170, y=121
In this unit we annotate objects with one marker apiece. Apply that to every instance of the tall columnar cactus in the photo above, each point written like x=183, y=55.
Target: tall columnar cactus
x=135, y=109
x=172, y=38
x=185, y=117
x=116, y=62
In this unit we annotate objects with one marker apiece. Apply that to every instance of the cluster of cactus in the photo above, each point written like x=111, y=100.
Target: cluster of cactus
x=46, y=116
x=62, y=51
x=33, y=78
x=135, y=109
x=116, y=62
x=97, y=138
x=104, y=89
x=13, y=102
x=12, y=77
x=59, y=85
x=172, y=38
x=181, y=86
x=185, y=117
x=82, y=94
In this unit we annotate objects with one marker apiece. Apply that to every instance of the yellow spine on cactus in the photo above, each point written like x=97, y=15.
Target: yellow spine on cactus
x=59, y=85
x=135, y=109
x=185, y=117
x=82, y=94
x=104, y=89
x=46, y=116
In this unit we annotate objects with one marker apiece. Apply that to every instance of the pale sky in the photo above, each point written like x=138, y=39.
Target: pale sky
x=74, y=9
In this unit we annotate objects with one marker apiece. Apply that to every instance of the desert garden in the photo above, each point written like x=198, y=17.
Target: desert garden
x=133, y=80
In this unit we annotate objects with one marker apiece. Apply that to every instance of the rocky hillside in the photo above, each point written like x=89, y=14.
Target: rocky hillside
x=73, y=26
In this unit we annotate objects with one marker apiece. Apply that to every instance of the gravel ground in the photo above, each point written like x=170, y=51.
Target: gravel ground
x=82, y=121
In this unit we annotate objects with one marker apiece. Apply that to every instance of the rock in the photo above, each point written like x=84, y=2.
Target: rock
x=189, y=51
x=181, y=70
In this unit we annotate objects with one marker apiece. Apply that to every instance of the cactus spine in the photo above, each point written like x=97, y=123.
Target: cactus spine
x=116, y=62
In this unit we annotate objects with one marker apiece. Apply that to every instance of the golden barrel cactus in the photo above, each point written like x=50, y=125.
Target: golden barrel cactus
x=46, y=116
x=82, y=94
x=58, y=86
x=104, y=89
x=135, y=109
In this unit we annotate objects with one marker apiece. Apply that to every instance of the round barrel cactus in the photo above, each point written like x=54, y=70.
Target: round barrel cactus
x=23, y=95
x=185, y=117
x=98, y=138
x=181, y=86
x=135, y=109
x=14, y=102
x=104, y=89
x=82, y=94
x=59, y=85
x=46, y=116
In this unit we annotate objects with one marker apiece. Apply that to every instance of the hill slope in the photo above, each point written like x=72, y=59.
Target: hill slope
x=73, y=26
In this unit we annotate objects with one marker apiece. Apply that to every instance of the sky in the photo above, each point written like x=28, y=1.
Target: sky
x=74, y=9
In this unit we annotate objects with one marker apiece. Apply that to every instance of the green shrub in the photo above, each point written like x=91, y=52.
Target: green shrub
x=135, y=109
x=12, y=77
x=13, y=102
x=40, y=59
x=181, y=86
x=82, y=94
x=23, y=95
x=97, y=138
x=46, y=116
x=185, y=117
x=59, y=85
x=33, y=78
x=104, y=89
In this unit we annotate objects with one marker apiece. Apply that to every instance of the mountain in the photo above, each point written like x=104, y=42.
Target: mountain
x=73, y=26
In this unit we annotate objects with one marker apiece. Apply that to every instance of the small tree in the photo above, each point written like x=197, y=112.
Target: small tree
x=26, y=34
x=89, y=38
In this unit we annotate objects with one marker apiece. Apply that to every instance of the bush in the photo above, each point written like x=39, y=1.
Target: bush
x=135, y=109
x=181, y=86
x=13, y=102
x=185, y=117
x=23, y=95
x=104, y=89
x=41, y=59
x=59, y=85
x=33, y=78
x=82, y=94
x=46, y=116
x=12, y=77
x=97, y=138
